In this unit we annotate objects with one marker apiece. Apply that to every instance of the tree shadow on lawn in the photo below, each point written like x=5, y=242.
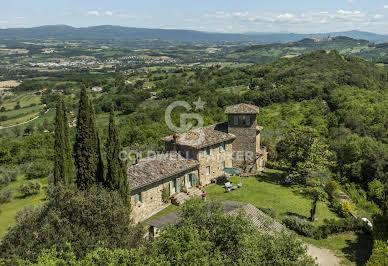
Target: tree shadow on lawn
x=274, y=178
x=360, y=249
x=297, y=215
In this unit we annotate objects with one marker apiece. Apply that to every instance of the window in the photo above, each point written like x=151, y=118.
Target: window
x=208, y=152
x=222, y=147
x=137, y=198
x=223, y=165
x=247, y=120
x=235, y=120
x=178, y=184
x=208, y=170
x=226, y=146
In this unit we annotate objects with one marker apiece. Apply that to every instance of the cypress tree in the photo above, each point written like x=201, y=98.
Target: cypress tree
x=87, y=152
x=116, y=178
x=63, y=161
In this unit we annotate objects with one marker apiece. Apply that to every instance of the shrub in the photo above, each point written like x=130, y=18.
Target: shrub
x=84, y=219
x=5, y=196
x=336, y=205
x=165, y=194
x=376, y=190
x=301, y=226
x=332, y=187
x=29, y=188
x=269, y=212
x=347, y=208
x=7, y=176
x=333, y=226
x=39, y=169
x=379, y=255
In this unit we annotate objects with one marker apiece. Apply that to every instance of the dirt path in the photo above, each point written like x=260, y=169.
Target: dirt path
x=323, y=257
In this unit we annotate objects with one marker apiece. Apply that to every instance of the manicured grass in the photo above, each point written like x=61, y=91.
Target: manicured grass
x=9, y=210
x=263, y=194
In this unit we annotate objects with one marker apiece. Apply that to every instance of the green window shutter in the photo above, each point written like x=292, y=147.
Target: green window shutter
x=226, y=146
x=178, y=185
x=136, y=198
x=172, y=187
x=247, y=120
x=194, y=184
x=187, y=181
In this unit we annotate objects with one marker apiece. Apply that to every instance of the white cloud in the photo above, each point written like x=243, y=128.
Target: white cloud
x=308, y=21
x=19, y=18
x=93, y=13
x=286, y=16
x=350, y=1
x=345, y=12
x=108, y=13
x=386, y=6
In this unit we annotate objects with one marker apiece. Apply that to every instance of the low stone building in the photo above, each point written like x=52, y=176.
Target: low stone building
x=196, y=158
x=150, y=176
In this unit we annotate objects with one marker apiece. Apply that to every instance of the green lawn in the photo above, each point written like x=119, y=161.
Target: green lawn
x=9, y=210
x=263, y=194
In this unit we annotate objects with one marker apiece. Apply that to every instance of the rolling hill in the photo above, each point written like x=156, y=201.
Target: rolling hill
x=344, y=45
x=109, y=32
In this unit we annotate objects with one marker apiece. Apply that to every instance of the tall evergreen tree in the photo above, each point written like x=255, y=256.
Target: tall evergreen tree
x=116, y=178
x=63, y=160
x=87, y=151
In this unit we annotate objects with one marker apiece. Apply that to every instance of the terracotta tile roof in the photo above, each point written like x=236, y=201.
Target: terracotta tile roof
x=203, y=137
x=260, y=220
x=242, y=108
x=156, y=168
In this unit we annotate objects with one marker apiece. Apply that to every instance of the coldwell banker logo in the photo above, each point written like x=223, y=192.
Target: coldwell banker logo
x=196, y=135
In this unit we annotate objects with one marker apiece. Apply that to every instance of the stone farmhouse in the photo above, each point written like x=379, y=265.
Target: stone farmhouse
x=195, y=159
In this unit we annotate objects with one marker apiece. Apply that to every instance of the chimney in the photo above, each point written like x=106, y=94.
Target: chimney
x=174, y=142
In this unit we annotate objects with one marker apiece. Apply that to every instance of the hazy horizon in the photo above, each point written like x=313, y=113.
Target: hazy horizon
x=210, y=16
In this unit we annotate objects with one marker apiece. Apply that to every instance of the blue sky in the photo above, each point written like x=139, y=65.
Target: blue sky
x=211, y=15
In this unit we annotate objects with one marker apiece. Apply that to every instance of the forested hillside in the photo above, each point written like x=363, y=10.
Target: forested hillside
x=345, y=45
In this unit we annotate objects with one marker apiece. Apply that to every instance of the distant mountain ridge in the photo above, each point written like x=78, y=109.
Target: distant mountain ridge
x=109, y=32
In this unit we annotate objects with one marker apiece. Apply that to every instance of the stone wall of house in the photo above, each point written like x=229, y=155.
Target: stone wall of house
x=151, y=202
x=244, y=146
x=151, y=198
x=258, y=143
x=215, y=161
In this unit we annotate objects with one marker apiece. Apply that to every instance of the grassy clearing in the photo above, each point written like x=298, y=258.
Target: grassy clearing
x=9, y=210
x=24, y=100
x=264, y=193
x=352, y=248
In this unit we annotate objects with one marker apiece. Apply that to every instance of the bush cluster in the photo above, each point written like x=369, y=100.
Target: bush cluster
x=5, y=196
x=39, y=169
x=165, y=194
x=301, y=226
x=270, y=212
x=332, y=226
x=83, y=219
x=7, y=176
x=29, y=188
